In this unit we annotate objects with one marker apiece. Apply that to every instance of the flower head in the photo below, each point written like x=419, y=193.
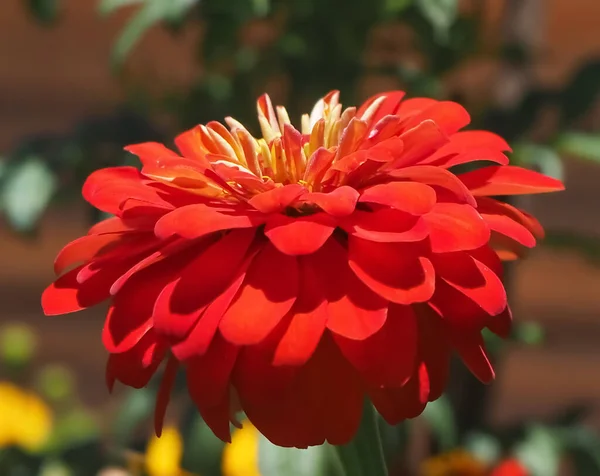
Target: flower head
x=294, y=274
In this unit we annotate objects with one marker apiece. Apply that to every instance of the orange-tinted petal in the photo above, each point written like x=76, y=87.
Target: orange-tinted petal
x=194, y=221
x=277, y=199
x=107, y=189
x=339, y=202
x=412, y=197
x=299, y=235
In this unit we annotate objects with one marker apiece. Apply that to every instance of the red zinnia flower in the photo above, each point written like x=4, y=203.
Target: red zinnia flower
x=297, y=273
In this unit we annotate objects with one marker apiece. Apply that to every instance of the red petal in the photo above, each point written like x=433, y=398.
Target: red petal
x=335, y=392
x=339, y=202
x=508, y=180
x=456, y=227
x=398, y=404
x=197, y=342
x=277, y=199
x=508, y=227
x=67, y=295
x=352, y=136
x=490, y=206
x=412, y=197
x=386, y=225
x=472, y=352
x=136, y=367
x=472, y=278
x=502, y=323
x=419, y=142
x=204, y=277
x=434, y=351
x=189, y=144
x=470, y=146
x=436, y=176
x=107, y=189
x=387, y=358
x=388, y=107
x=119, y=225
x=447, y=115
x=321, y=402
x=395, y=271
x=165, y=252
x=308, y=318
x=164, y=394
x=208, y=382
x=413, y=106
x=354, y=310
x=84, y=249
x=194, y=221
x=268, y=293
x=299, y=235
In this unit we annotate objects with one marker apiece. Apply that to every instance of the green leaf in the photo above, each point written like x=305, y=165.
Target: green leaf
x=583, y=446
x=541, y=157
x=540, y=452
x=529, y=333
x=440, y=418
x=441, y=14
x=584, y=146
x=26, y=192
x=106, y=7
x=276, y=461
x=396, y=6
x=199, y=435
x=261, y=7
x=45, y=11
x=483, y=446
x=137, y=406
x=150, y=14
x=364, y=456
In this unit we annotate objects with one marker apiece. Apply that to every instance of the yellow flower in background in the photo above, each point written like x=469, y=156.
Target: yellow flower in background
x=25, y=419
x=240, y=458
x=453, y=463
x=164, y=454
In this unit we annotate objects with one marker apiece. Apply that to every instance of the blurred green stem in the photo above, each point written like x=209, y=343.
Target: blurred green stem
x=363, y=456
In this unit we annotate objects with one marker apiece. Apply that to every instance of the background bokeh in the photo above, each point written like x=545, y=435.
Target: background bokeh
x=529, y=69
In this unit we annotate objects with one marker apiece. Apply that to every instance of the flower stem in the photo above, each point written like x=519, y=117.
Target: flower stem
x=363, y=456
